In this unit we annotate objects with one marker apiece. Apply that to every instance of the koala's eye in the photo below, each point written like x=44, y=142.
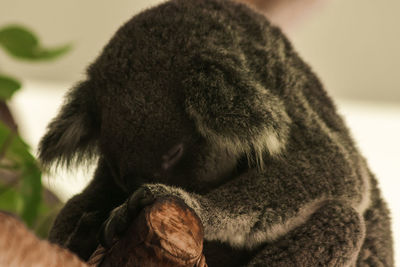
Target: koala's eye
x=172, y=156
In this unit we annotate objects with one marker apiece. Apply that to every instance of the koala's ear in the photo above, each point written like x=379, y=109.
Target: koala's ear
x=72, y=135
x=232, y=109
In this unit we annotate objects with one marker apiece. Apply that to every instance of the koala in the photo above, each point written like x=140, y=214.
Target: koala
x=206, y=101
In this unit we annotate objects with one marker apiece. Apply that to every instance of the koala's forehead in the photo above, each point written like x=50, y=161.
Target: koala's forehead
x=173, y=39
x=168, y=36
x=223, y=59
x=147, y=97
x=144, y=95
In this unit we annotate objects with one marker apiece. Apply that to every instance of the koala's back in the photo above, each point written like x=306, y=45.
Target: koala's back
x=321, y=160
x=316, y=158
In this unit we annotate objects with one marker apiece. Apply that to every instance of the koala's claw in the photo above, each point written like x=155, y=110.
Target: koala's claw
x=139, y=199
x=113, y=226
x=121, y=217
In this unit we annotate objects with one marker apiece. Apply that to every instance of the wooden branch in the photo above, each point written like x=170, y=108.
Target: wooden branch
x=21, y=248
x=167, y=233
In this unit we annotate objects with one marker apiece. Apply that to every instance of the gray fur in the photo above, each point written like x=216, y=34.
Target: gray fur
x=268, y=164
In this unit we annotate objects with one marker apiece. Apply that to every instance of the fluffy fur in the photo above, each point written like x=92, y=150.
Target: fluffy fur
x=267, y=163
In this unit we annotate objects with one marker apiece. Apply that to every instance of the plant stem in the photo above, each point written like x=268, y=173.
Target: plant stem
x=6, y=116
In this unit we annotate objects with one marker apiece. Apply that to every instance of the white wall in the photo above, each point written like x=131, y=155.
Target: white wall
x=88, y=24
x=352, y=45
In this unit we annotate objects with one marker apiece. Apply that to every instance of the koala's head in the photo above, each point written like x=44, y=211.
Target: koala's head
x=179, y=94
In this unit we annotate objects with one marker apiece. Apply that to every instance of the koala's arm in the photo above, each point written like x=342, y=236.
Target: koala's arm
x=243, y=214
x=77, y=225
x=332, y=236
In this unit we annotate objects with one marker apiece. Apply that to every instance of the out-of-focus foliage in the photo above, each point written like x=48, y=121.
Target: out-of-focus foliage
x=21, y=43
x=8, y=86
x=16, y=157
x=21, y=190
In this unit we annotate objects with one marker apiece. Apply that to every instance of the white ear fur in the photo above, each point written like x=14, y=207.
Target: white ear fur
x=268, y=137
x=71, y=136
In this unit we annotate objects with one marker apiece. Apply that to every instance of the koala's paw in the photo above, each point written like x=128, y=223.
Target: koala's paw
x=121, y=217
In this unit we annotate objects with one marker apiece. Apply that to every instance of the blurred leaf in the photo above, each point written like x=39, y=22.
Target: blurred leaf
x=47, y=215
x=4, y=133
x=8, y=86
x=10, y=199
x=30, y=189
x=23, y=44
x=23, y=193
x=17, y=150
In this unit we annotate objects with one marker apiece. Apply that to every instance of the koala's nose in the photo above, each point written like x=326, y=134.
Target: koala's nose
x=172, y=156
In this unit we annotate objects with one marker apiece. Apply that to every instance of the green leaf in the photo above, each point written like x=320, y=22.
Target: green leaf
x=31, y=191
x=8, y=86
x=46, y=217
x=4, y=133
x=10, y=199
x=23, y=44
x=17, y=150
x=30, y=187
x=48, y=54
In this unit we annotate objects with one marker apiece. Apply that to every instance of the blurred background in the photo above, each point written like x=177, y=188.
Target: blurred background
x=352, y=45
